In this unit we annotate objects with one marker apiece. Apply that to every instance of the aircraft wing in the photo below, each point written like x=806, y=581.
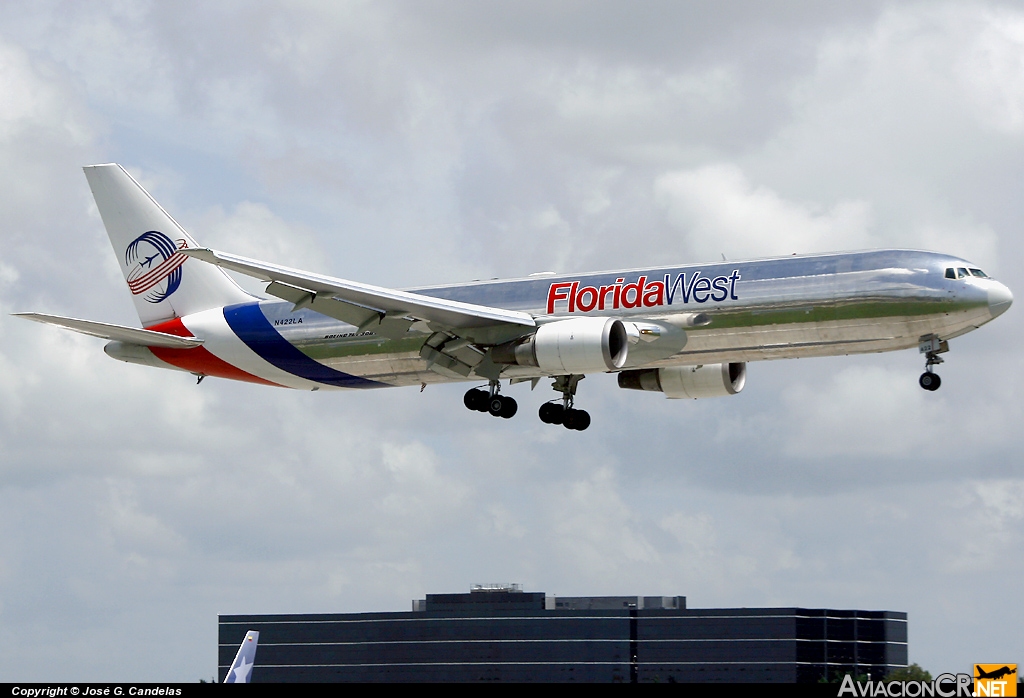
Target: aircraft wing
x=383, y=310
x=120, y=333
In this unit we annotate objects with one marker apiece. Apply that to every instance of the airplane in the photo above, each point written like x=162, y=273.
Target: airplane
x=240, y=670
x=685, y=331
x=995, y=674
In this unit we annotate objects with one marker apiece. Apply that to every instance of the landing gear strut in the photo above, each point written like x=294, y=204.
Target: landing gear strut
x=931, y=346
x=491, y=400
x=564, y=414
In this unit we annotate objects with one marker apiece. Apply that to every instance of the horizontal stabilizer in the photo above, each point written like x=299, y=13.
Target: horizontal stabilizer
x=370, y=299
x=128, y=335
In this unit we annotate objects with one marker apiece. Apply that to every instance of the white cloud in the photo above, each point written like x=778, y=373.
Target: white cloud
x=1003, y=501
x=914, y=117
x=253, y=230
x=976, y=243
x=142, y=532
x=498, y=519
x=34, y=101
x=866, y=412
x=42, y=127
x=720, y=211
x=637, y=114
x=596, y=530
x=989, y=66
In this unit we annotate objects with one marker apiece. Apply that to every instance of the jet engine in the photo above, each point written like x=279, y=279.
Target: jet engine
x=579, y=345
x=710, y=380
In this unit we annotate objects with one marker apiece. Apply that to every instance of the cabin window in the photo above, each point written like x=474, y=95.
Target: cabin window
x=950, y=273
x=979, y=273
x=962, y=273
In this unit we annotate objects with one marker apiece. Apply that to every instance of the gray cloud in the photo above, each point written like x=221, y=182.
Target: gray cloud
x=405, y=143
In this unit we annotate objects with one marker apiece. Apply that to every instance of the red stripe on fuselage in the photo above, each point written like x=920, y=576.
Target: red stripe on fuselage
x=199, y=359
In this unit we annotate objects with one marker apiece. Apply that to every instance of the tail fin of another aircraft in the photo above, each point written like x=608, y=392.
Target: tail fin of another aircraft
x=241, y=668
x=146, y=240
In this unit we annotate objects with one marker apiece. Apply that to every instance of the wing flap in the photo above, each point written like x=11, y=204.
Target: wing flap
x=120, y=333
x=381, y=322
x=325, y=304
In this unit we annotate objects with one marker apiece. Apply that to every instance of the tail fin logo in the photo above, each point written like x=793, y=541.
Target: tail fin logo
x=155, y=265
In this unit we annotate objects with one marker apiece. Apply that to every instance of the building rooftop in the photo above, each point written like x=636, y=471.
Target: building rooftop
x=511, y=597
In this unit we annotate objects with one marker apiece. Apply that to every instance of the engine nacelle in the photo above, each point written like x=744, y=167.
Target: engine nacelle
x=711, y=380
x=579, y=345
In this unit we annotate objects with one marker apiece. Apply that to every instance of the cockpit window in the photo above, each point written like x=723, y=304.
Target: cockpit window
x=964, y=273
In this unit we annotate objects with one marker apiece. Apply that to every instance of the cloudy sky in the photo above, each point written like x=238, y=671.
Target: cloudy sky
x=405, y=143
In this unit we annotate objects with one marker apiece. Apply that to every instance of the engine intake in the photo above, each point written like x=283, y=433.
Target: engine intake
x=579, y=345
x=711, y=380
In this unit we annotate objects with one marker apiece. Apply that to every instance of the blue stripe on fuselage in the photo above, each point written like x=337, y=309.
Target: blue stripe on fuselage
x=250, y=324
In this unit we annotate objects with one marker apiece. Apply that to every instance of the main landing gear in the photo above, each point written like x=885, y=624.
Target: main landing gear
x=931, y=346
x=554, y=412
x=491, y=401
x=564, y=414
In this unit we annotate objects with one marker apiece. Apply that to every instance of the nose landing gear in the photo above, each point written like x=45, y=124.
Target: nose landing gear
x=564, y=413
x=931, y=346
x=491, y=401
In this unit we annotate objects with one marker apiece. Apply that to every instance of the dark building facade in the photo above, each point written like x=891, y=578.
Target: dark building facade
x=509, y=635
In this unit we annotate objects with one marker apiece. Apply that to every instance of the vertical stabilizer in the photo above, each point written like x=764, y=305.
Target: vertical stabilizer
x=164, y=284
x=240, y=670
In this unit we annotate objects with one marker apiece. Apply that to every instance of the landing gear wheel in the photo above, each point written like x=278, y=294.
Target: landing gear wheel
x=552, y=413
x=490, y=401
x=930, y=381
x=509, y=407
x=582, y=420
x=476, y=399
x=471, y=399
x=562, y=412
x=578, y=420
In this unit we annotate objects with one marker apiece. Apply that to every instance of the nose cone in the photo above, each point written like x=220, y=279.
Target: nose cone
x=999, y=299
